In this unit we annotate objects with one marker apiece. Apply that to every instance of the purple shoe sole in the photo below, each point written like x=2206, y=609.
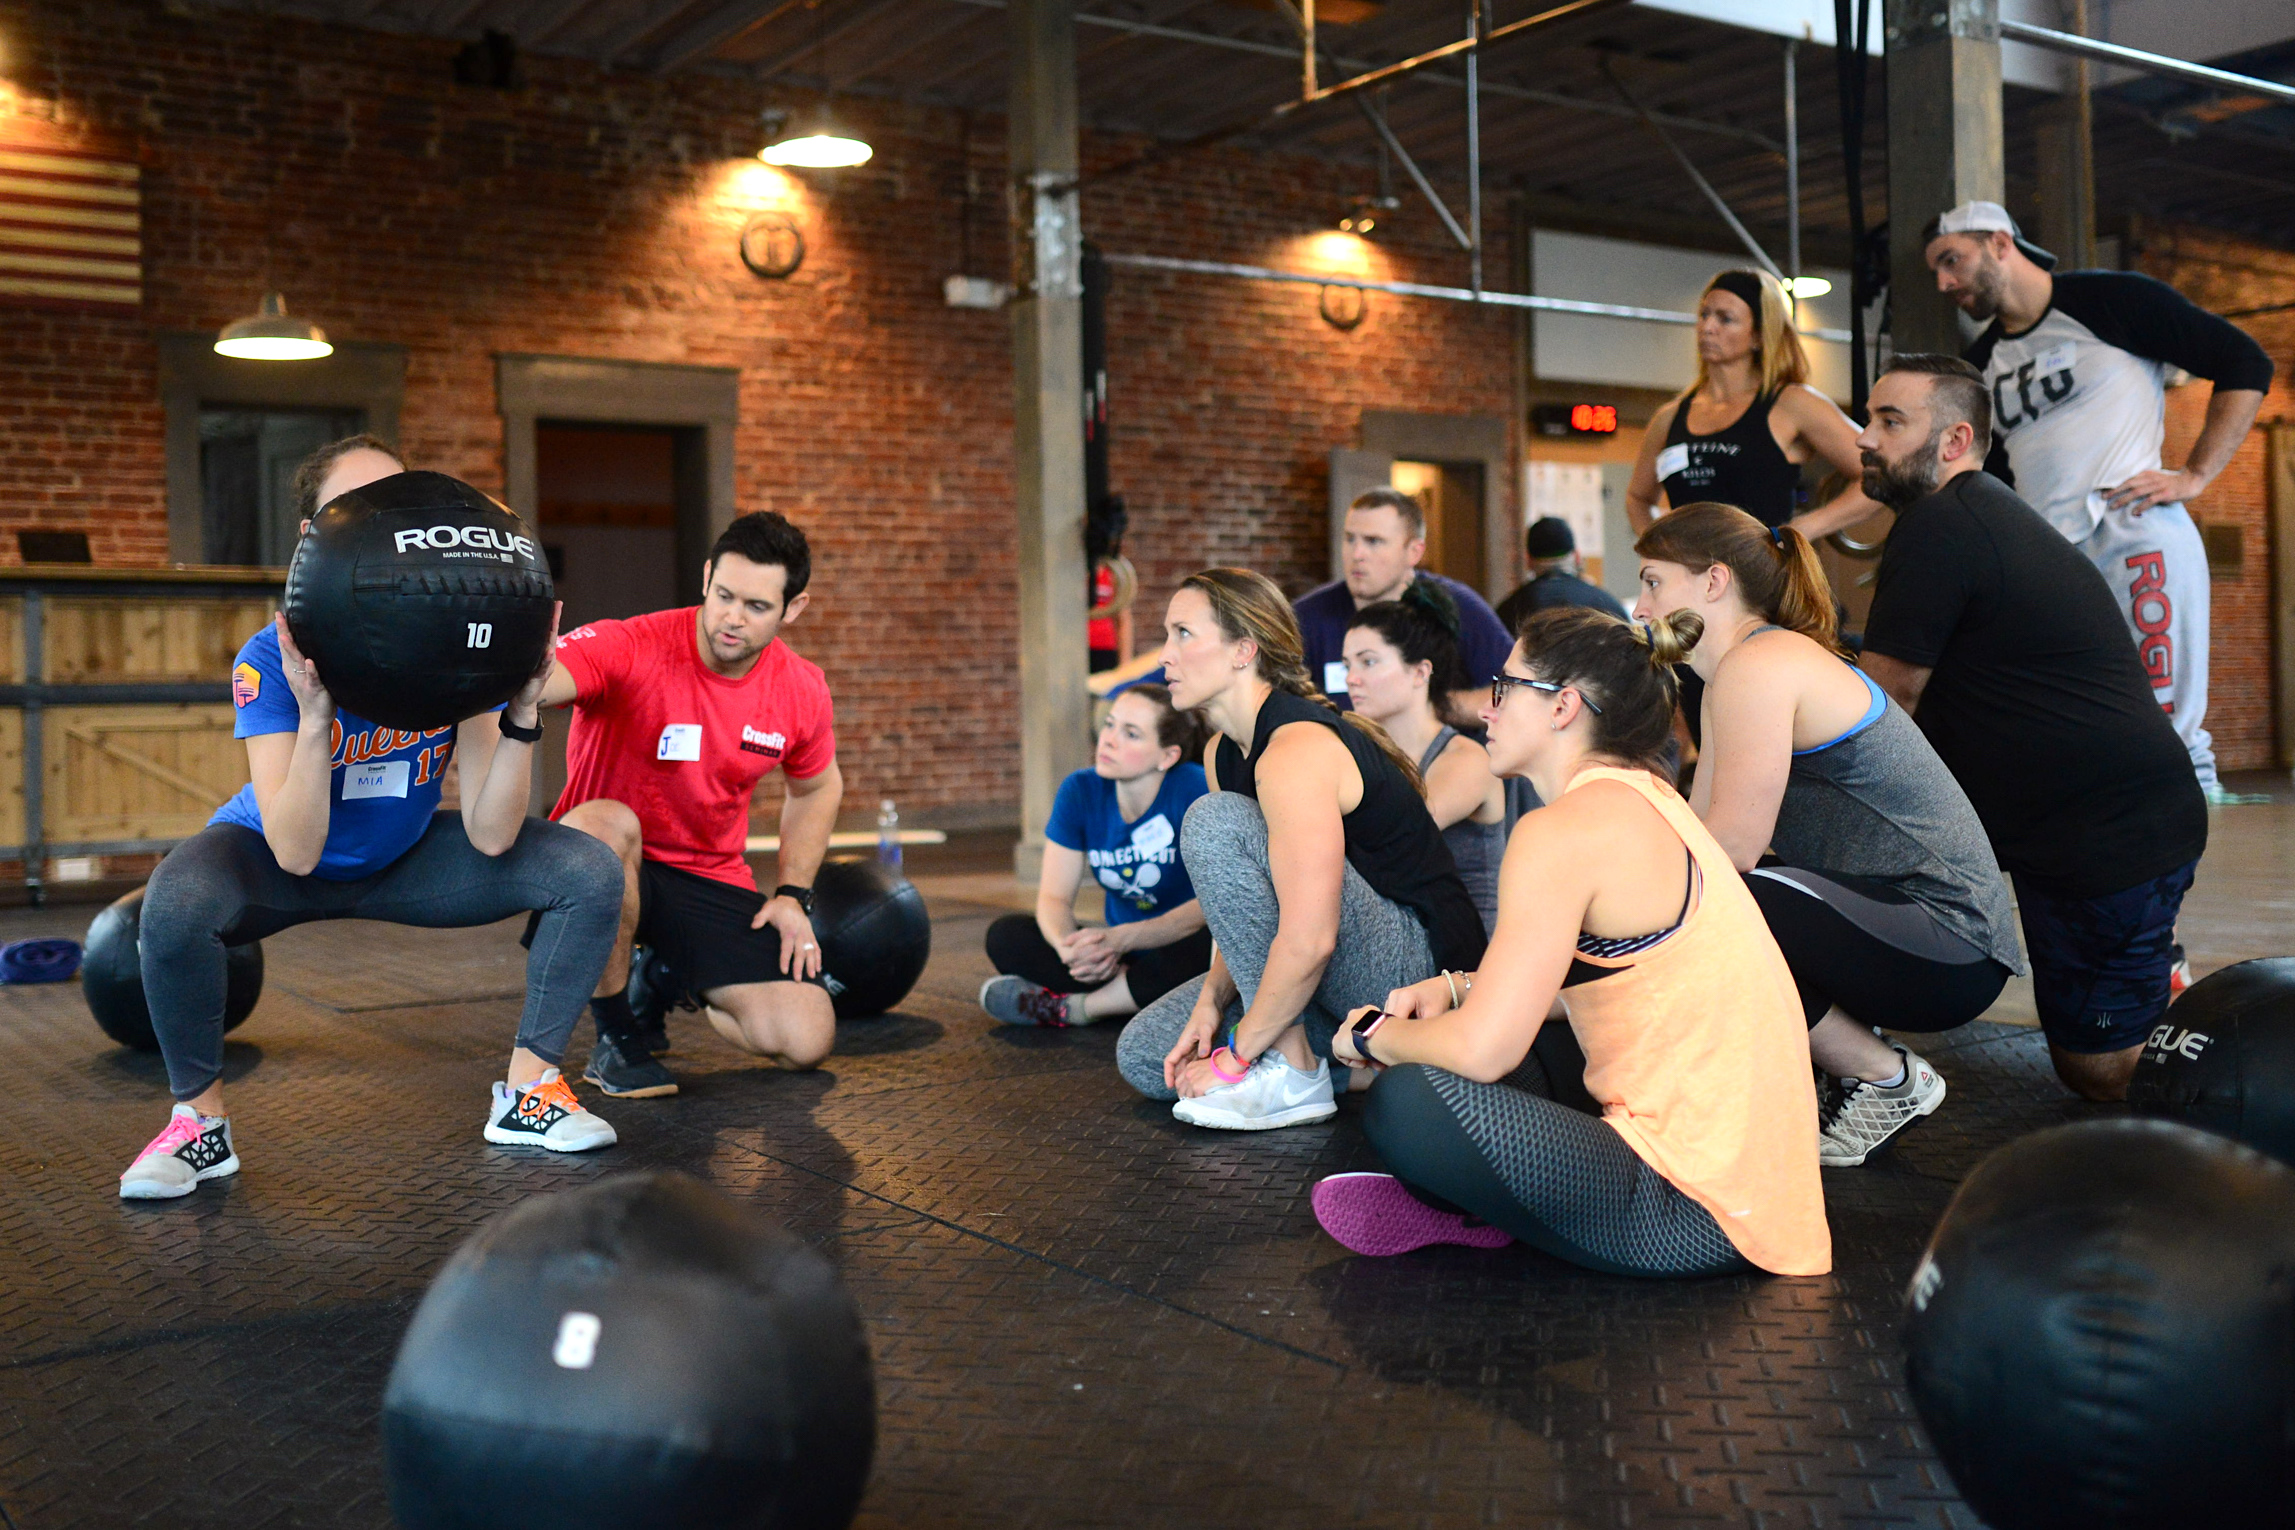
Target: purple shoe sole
x=1374, y=1214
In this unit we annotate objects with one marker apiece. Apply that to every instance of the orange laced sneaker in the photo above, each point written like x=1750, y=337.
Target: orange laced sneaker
x=545, y=1114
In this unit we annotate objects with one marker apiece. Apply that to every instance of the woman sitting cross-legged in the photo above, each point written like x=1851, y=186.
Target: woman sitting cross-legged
x=1402, y=660
x=1867, y=860
x=1615, y=900
x=1323, y=879
x=1120, y=820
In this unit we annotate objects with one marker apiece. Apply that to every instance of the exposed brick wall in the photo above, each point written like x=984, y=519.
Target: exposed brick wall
x=596, y=215
x=2226, y=275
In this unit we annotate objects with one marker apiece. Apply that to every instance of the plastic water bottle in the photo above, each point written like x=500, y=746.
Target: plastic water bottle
x=888, y=834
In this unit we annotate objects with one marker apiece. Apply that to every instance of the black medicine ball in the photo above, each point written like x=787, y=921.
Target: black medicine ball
x=2223, y=1057
x=2101, y=1335
x=111, y=976
x=645, y=1351
x=422, y=601
x=875, y=936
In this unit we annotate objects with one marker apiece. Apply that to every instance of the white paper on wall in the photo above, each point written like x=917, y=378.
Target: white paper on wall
x=1570, y=490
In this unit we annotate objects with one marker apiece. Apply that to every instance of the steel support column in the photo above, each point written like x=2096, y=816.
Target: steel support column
x=1047, y=427
x=1944, y=147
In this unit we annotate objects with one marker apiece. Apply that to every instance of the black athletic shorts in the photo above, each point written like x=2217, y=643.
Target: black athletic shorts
x=701, y=928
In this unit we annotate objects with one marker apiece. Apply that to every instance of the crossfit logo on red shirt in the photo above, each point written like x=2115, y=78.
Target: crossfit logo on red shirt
x=769, y=745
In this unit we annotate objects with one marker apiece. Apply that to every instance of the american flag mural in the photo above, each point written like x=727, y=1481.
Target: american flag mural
x=70, y=227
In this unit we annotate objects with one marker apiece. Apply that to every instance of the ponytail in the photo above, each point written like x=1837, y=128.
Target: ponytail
x=1775, y=568
x=1246, y=604
x=1628, y=672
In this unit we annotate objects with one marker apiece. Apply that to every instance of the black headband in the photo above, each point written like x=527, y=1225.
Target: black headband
x=1743, y=284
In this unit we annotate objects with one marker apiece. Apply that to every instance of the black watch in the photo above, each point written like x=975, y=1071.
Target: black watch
x=801, y=896
x=510, y=729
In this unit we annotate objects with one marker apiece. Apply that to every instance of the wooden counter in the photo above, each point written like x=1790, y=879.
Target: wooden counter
x=115, y=705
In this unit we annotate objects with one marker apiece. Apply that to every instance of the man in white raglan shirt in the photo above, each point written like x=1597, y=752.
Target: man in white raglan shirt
x=2078, y=367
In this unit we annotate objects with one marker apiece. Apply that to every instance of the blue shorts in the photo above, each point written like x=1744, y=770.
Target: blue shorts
x=2100, y=965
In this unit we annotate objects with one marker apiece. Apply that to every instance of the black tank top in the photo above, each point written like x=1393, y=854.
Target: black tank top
x=1391, y=838
x=1740, y=466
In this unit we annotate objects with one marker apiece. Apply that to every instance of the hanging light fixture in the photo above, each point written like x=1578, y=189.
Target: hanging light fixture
x=823, y=144
x=272, y=336
x=1808, y=286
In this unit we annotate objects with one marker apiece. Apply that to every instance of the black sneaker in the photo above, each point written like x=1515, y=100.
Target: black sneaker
x=654, y=991
x=623, y=1068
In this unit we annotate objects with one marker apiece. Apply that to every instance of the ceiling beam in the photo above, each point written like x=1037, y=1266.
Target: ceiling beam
x=1290, y=55
x=859, y=17
x=720, y=26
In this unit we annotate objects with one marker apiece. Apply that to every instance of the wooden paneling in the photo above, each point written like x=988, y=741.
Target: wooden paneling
x=137, y=772
x=12, y=642
x=94, y=640
x=11, y=776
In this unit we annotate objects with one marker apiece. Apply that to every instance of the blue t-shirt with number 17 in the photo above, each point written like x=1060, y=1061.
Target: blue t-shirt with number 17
x=386, y=780
x=1137, y=862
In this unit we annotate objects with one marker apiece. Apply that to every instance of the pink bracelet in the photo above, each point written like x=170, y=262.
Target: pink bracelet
x=1224, y=1075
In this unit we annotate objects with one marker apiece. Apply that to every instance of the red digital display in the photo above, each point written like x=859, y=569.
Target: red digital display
x=1594, y=419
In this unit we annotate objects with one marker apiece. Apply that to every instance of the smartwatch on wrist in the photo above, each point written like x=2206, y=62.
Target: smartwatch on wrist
x=1363, y=1029
x=801, y=896
x=510, y=729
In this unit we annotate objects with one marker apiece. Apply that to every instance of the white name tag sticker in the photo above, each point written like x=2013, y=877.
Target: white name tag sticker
x=1672, y=460
x=386, y=778
x=2057, y=358
x=1335, y=678
x=679, y=741
x=1153, y=835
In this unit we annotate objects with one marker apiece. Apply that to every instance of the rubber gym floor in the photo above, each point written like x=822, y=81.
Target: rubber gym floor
x=1082, y=1313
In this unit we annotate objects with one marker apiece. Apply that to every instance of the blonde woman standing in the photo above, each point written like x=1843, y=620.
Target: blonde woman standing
x=1739, y=434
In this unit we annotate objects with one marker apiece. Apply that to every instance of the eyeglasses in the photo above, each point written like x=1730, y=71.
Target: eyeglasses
x=1501, y=682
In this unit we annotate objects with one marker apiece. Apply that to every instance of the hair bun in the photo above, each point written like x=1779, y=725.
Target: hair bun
x=1670, y=638
x=1423, y=594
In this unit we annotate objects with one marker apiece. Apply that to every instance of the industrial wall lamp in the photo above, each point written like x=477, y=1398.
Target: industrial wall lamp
x=270, y=335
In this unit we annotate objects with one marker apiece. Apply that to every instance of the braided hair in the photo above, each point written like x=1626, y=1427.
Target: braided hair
x=1248, y=605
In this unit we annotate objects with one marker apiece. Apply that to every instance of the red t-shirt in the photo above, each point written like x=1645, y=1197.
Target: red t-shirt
x=682, y=746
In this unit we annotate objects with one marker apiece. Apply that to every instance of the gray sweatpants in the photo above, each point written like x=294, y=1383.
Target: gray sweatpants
x=2157, y=568
x=1223, y=843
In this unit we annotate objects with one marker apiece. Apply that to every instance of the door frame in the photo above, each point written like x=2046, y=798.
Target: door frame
x=703, y=404
x=1483, y=438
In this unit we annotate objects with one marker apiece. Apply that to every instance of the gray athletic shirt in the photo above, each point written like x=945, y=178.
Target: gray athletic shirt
x=1877, y=803
x=1477, y=847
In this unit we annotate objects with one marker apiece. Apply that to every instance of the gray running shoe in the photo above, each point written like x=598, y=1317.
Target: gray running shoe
x=623, y=1068
x=1855, y=1125
x=1271, y=1094
x=1016, y=1001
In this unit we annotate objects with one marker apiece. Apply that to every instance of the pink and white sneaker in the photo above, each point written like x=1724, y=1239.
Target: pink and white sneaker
x=1374, y=1214
x=192, y=1148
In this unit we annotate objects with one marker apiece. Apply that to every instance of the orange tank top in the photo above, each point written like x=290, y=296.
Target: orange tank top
x=1697, y=1049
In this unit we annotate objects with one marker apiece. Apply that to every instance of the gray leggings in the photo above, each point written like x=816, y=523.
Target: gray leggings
x=223, y=887
x=1556, y=1177
x=1223, y=843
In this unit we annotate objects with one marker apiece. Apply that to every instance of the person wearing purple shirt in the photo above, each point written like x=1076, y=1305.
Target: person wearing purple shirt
x=1385, y=539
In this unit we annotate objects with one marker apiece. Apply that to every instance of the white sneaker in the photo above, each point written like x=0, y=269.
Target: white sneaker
x=1866, y=1116
x=1272, y=1094
x=192, y=1148
x=545, y=1114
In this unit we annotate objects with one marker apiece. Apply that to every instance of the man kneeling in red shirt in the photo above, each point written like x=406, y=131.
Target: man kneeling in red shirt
x=677, y=715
